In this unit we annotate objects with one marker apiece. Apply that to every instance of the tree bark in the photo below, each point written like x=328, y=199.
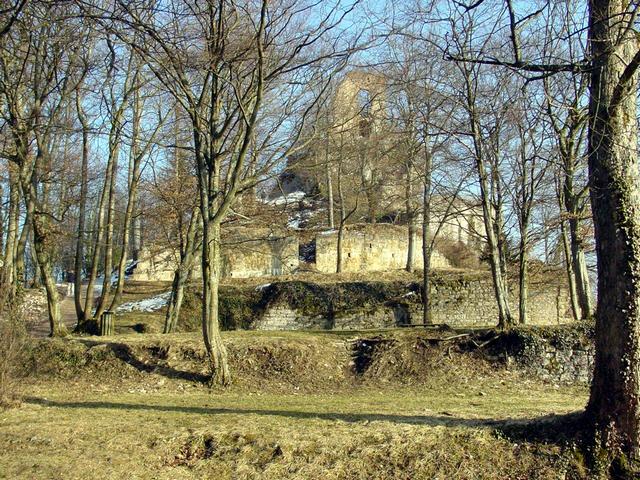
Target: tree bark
x=108, y=244
x=135, y=159
x=42, y=247
x=329, y=195
x=490, y=217
x=614, y=403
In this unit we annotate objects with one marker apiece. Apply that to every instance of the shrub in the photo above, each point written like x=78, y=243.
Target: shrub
x=13, y=343
x=458, y=254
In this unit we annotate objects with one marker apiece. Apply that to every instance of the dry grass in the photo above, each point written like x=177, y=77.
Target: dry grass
x=138, y=409
x=174, y=431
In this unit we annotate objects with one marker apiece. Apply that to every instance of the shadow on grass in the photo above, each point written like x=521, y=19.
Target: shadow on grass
x=550, y=429
x=125, y=353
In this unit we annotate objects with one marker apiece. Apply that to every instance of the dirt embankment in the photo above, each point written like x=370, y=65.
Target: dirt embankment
x=300, y=360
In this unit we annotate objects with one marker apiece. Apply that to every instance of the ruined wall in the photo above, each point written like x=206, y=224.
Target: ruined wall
x=458, y=300
x=240, y=258
x=370, y=248
x=360, y=97
x=469, y=300
x=257, y=258
x=560, y=355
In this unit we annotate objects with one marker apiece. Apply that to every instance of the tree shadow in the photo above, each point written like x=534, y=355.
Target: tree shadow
x=548, y=429
x=555, y=428
x=124, y=353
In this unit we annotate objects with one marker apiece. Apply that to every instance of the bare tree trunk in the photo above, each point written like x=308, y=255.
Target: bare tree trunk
x=9, y=262
x=210, y=325
x=523, y=278
x=80, y=233
x=339, y=247
x=411, y=244
x=108, y=244
x=426, y=236
x=137, y=237
x=615, y=198
x=411, y=221
x=42, y=245
x=343, y=220
x=25, y=234
x=329, y=195
x=491, y=217
x=97, y=249
x=135, y=159
x=181, y=274
x=573, y=294
x=40, y=234
x=583, y=287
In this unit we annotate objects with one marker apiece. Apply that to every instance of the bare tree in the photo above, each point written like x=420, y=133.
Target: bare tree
x=38, y=75
x=220, y=78
x=612, y=64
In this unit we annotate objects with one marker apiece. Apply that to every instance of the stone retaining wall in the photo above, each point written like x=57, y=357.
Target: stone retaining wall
x=458, y=300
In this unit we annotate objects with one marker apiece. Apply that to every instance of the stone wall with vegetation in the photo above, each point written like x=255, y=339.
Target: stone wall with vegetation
x=468, y=299
x=458, y=299
x=557, y=354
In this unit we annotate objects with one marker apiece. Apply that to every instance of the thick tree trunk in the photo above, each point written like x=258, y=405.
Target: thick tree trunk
x=614, y=403
x=57, y=328
x=41, y=246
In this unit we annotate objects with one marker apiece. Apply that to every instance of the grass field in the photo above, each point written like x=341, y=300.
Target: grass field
x=286, y=416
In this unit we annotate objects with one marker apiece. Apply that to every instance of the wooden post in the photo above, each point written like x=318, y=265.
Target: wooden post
x=106, y=323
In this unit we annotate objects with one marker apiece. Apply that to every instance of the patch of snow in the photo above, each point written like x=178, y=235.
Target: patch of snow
x=409, y=294
x=298, y=218
x=262, y=287
x=147, y=305
x=288, y=198
x=130, y=267
x=328, y=232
